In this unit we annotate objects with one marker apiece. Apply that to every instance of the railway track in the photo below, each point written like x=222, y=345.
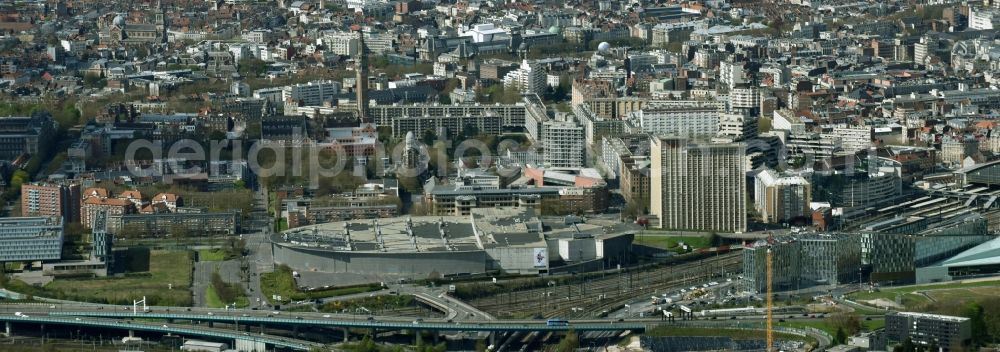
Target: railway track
x=616, y=301
x=589, y=299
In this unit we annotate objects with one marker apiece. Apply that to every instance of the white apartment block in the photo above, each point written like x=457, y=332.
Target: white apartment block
x=983, y=18
x=310, y=94
x=994, y=142
x=746, y=41
x=342, y=43
x=731, y=73
x=612, y=151
x=737, y=126
x=781, y=198
x=273, y=94
x=955, y=150
x=744, y=98
x=678, y=122
x=362, y=5
x=257, y=36
x=851, y=139
x=529, y=79
x=700, y=187
x=563, y=142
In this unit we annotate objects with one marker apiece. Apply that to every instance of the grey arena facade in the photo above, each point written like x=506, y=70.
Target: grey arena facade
x=511, y=240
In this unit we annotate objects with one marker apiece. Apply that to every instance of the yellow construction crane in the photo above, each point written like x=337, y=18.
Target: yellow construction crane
x=770, y=299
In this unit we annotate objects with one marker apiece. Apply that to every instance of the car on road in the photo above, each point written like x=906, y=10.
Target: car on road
x=326, y=315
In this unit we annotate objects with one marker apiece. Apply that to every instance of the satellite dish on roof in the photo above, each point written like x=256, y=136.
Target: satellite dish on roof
x=604, y=47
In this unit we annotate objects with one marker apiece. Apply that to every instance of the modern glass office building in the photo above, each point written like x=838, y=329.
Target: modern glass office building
x=31, y=238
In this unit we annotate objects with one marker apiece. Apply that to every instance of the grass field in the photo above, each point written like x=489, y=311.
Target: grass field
x=211, y=255
x=280, y=282
x=827, y=326
x=376, y=303
x=166, y=268
x=920, y=295
x=672, y=242
x=213, y=301
x=737, y=334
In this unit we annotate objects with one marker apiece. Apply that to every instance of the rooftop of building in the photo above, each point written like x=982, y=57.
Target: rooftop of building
x=933, y=316
x=397, y=235
x=485, y=228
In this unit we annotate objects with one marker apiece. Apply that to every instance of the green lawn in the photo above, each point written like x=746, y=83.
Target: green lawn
x=280, y=282
x=738, y=334
x=379, y=303
x=211, y=255
x=672, y=242
x=212, y=299
x=874, y=324
x=914, y=296
x=828, y=326
x=821, y=324
x=166, y=268
x=271, y=202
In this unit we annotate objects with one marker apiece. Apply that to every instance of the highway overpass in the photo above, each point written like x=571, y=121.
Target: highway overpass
x=244, y=338
x=285, y=319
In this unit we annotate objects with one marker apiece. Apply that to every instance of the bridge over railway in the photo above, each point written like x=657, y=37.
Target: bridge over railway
x=338, y=322
x=240, y=339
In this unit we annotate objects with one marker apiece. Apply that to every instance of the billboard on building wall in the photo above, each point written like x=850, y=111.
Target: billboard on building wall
x=541, y=258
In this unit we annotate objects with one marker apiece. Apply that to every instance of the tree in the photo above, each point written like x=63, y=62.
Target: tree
x=429, y=137
x=635, y=209
x=850, y=323
x=180, y=231
x=411, y=184
x=841, y=337
x=569, y=343
x=94, y=80
x=252, y=67
x=419, y=209
x=469, y=131
x=906, y=346
x=974, y=312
